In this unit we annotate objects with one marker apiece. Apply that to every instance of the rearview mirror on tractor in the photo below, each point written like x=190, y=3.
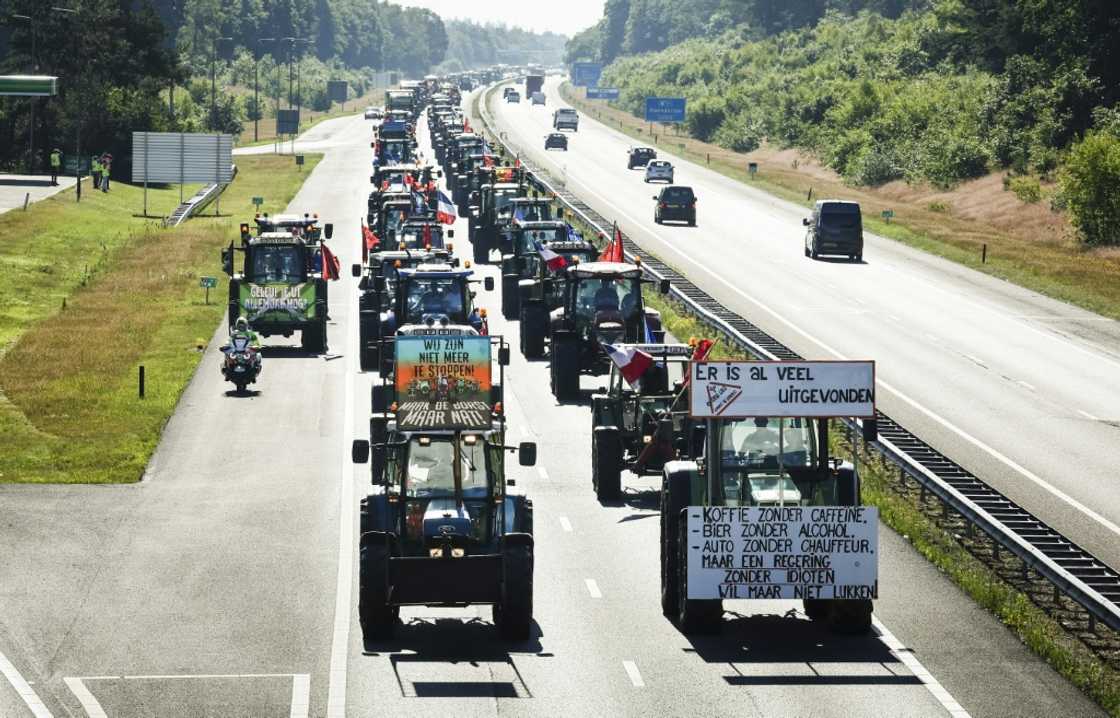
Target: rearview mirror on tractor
x=805, y=221
x=526, y=453
x=359, y=451
x=356, y=270
x=451, y=234
x=328, y=230
x=488, y=284
x=227, y=261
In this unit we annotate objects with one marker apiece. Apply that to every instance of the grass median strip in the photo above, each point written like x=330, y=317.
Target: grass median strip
x=92, y=294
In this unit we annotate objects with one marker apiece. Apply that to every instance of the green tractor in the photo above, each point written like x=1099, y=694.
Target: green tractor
x=280, y=288
x=774, y=477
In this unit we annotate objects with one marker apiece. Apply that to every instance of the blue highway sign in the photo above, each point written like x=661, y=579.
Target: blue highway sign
x=664, y=109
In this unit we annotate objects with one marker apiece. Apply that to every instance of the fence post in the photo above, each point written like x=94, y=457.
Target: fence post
x=141, y=378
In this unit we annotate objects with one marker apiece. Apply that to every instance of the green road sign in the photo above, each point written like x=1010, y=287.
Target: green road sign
x=299, y=159
x=208, y=282
x=28, y=85
x=258, y=201
x=887, y=215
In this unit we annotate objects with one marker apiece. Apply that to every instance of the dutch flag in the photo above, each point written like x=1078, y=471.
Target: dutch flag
x=445, y=210
x=552, y=260
x=631, y=362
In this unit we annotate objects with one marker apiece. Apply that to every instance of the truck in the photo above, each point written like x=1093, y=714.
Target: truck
x=762, y=511
x=401, y=100
x=280, y=289
x=443, y=525
x=533, y=83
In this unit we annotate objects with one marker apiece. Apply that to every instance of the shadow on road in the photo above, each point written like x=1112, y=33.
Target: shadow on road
x=9, y=182
x=753, y=644
x=247, y=394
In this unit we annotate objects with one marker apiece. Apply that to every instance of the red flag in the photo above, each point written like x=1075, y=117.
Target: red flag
x=467, y=125
x=699, y=353
x=488, y=160
x=370, y=240
x=427, y=236
x=631, y=361
x=332, y=268
x=517, y=162
x=613, y=251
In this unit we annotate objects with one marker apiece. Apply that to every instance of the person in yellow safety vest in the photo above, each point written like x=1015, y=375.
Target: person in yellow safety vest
x=95, y=170
x=106, y=168
x=56, y=164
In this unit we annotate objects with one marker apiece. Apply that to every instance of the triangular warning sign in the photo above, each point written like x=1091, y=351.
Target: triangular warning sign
x=720, y=396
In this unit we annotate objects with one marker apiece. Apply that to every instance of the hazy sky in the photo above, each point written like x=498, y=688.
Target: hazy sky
x=564, y=16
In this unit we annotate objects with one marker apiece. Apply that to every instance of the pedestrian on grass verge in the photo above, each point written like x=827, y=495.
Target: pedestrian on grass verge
x=106, y=169
x=95, y=170
x=56, y=165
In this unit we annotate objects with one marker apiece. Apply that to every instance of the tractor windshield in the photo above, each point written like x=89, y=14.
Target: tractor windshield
x=279, y=264
x=420, y=237
x=756, y=456
x=434, y=295
x=608, y=294
x=434, y=461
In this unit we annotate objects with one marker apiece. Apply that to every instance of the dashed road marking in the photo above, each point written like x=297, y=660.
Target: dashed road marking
x=301, y=696
x=634, y=673
x=976, y=360
x=593, y=588
x=1088, y=416
x=1025, y=384
x=565, y=524
x=23, y=689
x=543, y=472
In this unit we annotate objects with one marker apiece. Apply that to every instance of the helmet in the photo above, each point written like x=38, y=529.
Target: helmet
x=241, y=325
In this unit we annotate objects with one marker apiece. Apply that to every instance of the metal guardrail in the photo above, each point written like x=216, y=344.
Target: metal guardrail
x=198, y=202
x=1070, y=569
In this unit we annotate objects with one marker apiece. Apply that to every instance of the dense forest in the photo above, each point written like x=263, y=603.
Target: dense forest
x=935, y=91
x=471, y=45
x=127, y=65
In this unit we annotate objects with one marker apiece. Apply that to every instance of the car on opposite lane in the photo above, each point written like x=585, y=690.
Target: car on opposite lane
x=659, y=170
x=373, y=113
x=836, y=227
x=514, y=97
x=556, y=140
x=565, y=118
x=640, y=157
x=675, y=203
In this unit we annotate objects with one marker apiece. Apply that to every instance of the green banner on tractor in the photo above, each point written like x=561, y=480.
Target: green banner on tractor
x=278, y=302
x=443, y=382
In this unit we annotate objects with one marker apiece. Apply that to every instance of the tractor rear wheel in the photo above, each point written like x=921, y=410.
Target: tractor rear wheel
x=513, y=614
x=606, y=460
x=693, y=615
x=375, y=615
x=564, y=369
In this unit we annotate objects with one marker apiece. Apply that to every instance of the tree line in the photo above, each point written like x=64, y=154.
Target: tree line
x=938, y=91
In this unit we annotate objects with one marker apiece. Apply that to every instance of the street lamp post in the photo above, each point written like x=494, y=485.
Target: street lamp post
x=213, y=80
x=31, y=21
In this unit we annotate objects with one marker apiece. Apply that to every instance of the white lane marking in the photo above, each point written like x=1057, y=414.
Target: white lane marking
x=565, y=524
x=994, y=453
x=893, y=318
x=543, y=472
x=1025, y=384
x=336, y=687
x=301, y=696
x=976, y=360
x=933, y=339
x=634, y=673
x=23, y=689
x=90, y=705
x=524, y=432
x=185, y=676
x=906, y=656
x=1088, y=416
x=593, y=588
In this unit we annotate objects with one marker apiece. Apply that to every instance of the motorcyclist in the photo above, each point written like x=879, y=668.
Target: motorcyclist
x=242, y=330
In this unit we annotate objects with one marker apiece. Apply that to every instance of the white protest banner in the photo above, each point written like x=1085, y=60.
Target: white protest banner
x=777, y=552
x=721, y=389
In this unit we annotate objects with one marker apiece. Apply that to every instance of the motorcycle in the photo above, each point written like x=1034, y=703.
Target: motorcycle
x=242, y=363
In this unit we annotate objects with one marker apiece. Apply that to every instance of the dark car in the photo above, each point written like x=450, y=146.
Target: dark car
x=676, y=203
x=640, y=157
x=556, y=140
x=836, y=227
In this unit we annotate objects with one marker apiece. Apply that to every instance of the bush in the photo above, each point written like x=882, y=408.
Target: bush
x=1027, y=189
x=739, y=134
x=705, y=116
x=1090, y=187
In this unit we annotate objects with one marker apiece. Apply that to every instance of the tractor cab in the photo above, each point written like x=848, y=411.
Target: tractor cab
x=762, y=469
x=539, y=251
x=441, y=525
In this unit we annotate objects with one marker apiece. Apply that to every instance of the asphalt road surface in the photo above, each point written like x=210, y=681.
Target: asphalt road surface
x=1018, y=388
x=224, y=583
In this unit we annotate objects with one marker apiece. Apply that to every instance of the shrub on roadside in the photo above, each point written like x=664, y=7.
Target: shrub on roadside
x=1090, y=188
x=1027, y=189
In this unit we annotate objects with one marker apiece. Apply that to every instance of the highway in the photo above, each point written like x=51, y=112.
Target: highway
x=224, y=583
x=1018, y=388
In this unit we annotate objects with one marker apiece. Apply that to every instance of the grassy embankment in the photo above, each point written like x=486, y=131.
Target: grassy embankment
x=309, y=118
x=91, y=293
x=1047, y=263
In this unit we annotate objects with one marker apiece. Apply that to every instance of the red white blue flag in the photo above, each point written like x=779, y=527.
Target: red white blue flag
x=555, y=262
x=631, y=361
x=445, y=209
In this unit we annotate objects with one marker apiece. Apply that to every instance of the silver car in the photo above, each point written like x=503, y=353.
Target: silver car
x=659, y=170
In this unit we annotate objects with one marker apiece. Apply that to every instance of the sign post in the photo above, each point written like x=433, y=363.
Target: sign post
x=665, y=109
x=208, y=283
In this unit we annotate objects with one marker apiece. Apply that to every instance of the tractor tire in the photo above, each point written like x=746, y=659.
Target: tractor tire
x=386, y=361
x=379, y=398
x=606, y=461
x=367, y=346
x=850, y=617
x=376, y=616
x=693, y=616
x=481, y=251
x=534, y=323
x=511, y=300
x=564, y=367
x=513, y=614
x=675, y=493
